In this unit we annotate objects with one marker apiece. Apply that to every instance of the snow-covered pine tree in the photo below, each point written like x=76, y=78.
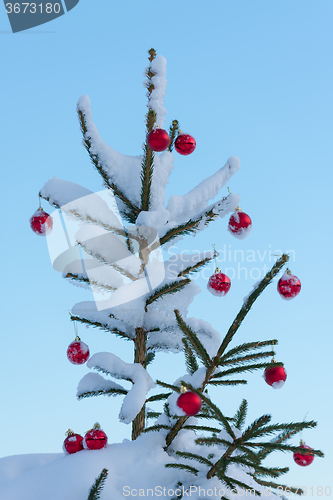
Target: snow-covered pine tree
x=148, y=307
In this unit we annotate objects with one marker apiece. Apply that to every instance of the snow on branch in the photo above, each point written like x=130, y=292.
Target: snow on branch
x=133, y=372
x=121, y=170
x=183, y=207
x=157, y=95
x=94, y=384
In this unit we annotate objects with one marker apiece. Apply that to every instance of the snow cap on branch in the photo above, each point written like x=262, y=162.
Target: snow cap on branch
x=142, y=382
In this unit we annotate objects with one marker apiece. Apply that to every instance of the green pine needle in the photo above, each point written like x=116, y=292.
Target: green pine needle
x=98, y=485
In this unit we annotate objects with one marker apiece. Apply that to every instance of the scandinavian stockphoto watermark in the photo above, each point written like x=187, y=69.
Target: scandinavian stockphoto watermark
x=89, y=243
x=25, y=15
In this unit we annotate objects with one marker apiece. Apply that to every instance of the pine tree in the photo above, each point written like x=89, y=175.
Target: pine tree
x=149, y=302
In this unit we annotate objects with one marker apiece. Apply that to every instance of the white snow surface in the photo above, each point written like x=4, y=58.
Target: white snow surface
x=133, y=468
x=278, y=384
x=99, y=275
x=142, y=382
x=60, y=192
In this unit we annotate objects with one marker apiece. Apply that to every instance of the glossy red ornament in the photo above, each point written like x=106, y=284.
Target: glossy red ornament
x=41, y=223
x=95, y=439
x=185, y=144
x=189, y=402
x=73, y=442
x=158, y=139
x=288, y=286
x=240, y=224
x=219, y=284
x=275, y=376
x=78, y=352
x=306, y=459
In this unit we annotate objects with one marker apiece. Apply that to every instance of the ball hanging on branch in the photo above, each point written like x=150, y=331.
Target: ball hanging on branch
x=219, y=284
x=73, y=442
x=158, y=139
x=185, y=144
x=95, y=439
x=41, y=222
x=304, y=459
x=275, y=375
x=288, y=285
x=189, y=402
x=240, y=224
x=78, y=352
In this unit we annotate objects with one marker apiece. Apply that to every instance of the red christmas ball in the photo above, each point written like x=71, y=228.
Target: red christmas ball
x=95, y=439
x=189, y=402
x=73, y=442
x=306, y=459
x=185, y=144
x=275, y=376
x=219, y=284
x=78, y=352
x=41, y=222
x=240, y=224
x=158, y=139
x=288, y=286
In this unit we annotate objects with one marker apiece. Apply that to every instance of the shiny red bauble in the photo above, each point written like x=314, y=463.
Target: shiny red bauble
x=73, y=442
x=219, y=284
x=275, y=376
x=189, y=402
x=306, y=459
x=95, y=439
x=78, y=352
x=288, y=286
x=158, y=139
x=185, y=144
x=41, y=223
x=240, y=224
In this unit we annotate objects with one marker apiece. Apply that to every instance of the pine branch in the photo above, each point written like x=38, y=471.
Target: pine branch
x=194, y=456
x=243, y=312
x=217, y=412
x=155, y=428
x=226, y=382
x=212, y=441
x=147, y=169
x=149, y=359
x=98, y=485
x=206, y=428
x=88, y=281
x=101, y=392
x=193, y=225
x=190, y=359
x=168, y=386
x=283, y=447
x=257, y=424
x=173, y=287
x=278, y=439
x=288, y=489
x=158, y=397
x=297, y=427
x=241, y=414
x=196, y=267
x=246, y=347
x=241, y=369
x=102, y=326
x=249, y=357
x=153, y=414
x=131, y=213
x=193, y=339
x=100, y=258
x=174, y=127
x=188, y=468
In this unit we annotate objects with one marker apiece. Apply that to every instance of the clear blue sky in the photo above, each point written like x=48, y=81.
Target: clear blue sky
x=252, y=79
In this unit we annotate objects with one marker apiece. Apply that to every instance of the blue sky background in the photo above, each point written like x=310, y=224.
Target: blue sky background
x=252, y=79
